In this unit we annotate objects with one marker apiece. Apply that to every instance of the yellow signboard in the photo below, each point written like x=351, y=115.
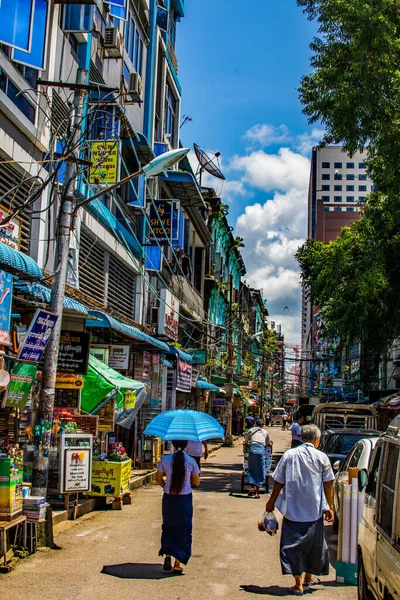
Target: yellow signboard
x=110, y=478
x=68, y=381
x=104, y=156
x=129, y=399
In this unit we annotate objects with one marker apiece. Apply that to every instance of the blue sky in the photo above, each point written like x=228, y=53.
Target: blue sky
x=240, y=64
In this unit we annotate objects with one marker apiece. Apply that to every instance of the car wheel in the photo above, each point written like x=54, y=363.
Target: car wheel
x=363, y=593
x=335, y=524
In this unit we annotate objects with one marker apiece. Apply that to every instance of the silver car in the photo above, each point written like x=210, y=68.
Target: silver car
x=359, y=457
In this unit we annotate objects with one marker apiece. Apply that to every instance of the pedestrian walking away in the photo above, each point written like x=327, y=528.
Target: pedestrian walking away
x=295, y=429
x=195, y=450
x=256, y=440
x=284, y=421
x=176, y=474
x=303, y=494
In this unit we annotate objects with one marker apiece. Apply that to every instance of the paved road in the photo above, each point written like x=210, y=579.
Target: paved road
x=113, y=554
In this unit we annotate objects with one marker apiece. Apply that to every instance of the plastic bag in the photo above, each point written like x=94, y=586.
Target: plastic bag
x=269, y=523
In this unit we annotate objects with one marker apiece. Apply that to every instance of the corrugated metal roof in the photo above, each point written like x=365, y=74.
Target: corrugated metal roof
x=42, y=292
x=103, y=320
x=204, y=385
x=18, y=261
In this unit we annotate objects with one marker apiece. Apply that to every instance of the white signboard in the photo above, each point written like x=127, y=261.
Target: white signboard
x=78, y=466
x=119, y=357
x=10, y=233
x=168, y=315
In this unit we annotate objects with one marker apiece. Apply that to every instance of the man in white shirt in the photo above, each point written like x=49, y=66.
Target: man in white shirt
x=303, y=493
x=296, y=430
x=195, y=450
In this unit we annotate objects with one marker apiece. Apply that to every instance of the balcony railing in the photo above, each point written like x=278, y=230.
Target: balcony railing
x=189, y=297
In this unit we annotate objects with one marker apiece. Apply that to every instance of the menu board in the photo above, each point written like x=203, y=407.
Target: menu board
x=77, y=470
x=73, y=356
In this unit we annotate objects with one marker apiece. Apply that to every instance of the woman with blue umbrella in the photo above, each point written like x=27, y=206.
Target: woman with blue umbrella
x=176, y=474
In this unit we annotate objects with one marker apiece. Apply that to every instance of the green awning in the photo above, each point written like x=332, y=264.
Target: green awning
x=102, y=383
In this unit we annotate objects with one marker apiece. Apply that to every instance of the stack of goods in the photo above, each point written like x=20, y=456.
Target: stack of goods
x=351, y=510
x=34, y=508
x=11, y=469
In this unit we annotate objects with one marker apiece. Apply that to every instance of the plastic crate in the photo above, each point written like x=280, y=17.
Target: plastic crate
x=346, y=573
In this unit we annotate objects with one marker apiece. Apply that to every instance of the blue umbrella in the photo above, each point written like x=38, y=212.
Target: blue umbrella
x=185, y=425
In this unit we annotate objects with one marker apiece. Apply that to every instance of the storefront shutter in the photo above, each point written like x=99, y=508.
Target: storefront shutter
x=121, y=288
x=92, y=266
x=9, y=178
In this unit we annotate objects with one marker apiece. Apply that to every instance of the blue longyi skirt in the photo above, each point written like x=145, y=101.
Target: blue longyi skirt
x=176, y=537
x=256, y=473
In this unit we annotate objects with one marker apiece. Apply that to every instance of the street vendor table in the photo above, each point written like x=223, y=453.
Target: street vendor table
x=20, y=524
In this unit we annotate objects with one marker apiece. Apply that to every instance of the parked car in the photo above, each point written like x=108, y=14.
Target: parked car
x=277, y=416
x=336, y=415
x=359, y=457
x=379, y=528
x=337, y=443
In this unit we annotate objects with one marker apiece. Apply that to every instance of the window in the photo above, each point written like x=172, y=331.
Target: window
x=337, y=188
x=338, y=165
x=337, y=198
x=337, y=209
x=170, y=113
x=362, y=188
x=373, y=476
x=362, y=177
x=349, y=188
x=353, y=462
x=349, y=198
x=338, y=176
x=361, y=198
x=326, y=165
x=350, y=177
x=349, y=165
x=326, y=208
x=388, y=477
x=20, y=101
x=134, y=45
x=325, y=177
x=350, y=209
x=361, y=165
x=326, y=188
x=325, y=198
x=172, y=28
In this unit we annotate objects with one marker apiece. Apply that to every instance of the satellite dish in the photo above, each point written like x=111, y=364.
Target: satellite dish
x=208, y=161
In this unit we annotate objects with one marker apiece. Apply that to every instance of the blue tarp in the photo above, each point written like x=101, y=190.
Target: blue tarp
x=42, y=292
x=19, y=261
x=204, y=385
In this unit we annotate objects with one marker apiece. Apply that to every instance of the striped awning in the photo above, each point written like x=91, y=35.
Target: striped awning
x=18, y=262
x=43, y=293
x=204, y=385
x=104, y=321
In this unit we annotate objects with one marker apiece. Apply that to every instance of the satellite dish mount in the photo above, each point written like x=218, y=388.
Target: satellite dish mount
x=208, y=161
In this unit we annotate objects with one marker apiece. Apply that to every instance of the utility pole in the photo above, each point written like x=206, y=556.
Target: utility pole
x=63, y=235
x=228, y=435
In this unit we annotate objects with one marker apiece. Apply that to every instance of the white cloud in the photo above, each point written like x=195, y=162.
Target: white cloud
x=306, y=141
x=285, y=170
x=265, y=135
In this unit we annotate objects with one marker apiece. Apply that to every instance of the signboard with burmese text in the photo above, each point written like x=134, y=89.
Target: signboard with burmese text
x=168, y=315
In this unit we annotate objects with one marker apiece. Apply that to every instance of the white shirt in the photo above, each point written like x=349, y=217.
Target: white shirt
x=303, y=471
x=257, y=435
x=194, y=448
x=295, y=428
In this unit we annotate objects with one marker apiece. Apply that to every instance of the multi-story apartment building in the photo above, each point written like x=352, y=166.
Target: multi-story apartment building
x=338, y=187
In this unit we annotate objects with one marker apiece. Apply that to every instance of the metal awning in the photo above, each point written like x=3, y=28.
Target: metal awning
x=104, y=321
x=144, y=150
x=182, y=355
x=204, y=385
x=18, y=262
x=184, y=187
x=43, y=293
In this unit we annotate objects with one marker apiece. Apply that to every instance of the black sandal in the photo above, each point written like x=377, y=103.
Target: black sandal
x=167, y=564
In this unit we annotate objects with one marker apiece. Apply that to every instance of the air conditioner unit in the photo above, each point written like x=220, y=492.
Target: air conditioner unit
x=135, y=86
x=113, y=42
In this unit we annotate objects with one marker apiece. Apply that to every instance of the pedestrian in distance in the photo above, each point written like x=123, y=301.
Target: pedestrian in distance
x=176, y=474
x=256, y=440
x=284, y=421
x=250, y=421
x=195, y=450
x=303, y=494
x=295, y=429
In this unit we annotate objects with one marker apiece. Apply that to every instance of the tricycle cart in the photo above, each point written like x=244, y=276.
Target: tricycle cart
x=268, y=465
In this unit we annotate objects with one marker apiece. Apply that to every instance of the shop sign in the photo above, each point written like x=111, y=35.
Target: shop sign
x=129, y=399
x=195, y=377
x=199, y=357
x=105, y=156
x=100, y=352
x=6, y=284
x=10, y=233
x=164, y=222
x=77, y=470
x=37, y=336
x=118, y=358
x=218, y=402
x=69, y=381
x=184, y=376
x=110, y=478
x=21, y=381
x=168, y=315
x=146, y=365
x=73, y=356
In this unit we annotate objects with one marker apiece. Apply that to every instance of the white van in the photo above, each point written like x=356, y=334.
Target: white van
x=379, y=528
x=277, y=415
